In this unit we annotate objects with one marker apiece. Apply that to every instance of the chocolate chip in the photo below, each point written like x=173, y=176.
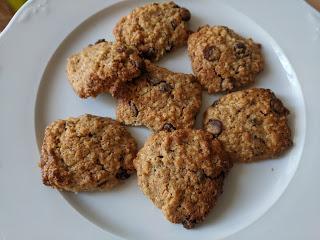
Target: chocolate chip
x=188, y=223
x=168, y=127
x=149, y=54
x=174, y=24
x=201, y=175
x=134, y=109
x=165, y=87
x=100, y=41
x=240, y=49
x=185, y=14
x=211, y=53
x=122, y=174
x=277, y=107
x=215, y=127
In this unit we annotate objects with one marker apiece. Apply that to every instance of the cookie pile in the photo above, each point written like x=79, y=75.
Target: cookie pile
x=179, y=168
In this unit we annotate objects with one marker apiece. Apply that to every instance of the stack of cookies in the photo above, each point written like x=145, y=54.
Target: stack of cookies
x=179, y=168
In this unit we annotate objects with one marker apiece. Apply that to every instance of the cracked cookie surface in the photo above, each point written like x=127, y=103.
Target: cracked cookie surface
x=160, y=99
x=87, y=153
x=222, y=60
x=252, y=124
x=154, y=29
x=182, y=173
x=102, y=67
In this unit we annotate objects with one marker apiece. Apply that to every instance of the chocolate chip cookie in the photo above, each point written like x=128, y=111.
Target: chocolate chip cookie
x=154, y=29
x=103, y=67
x=222, y=60
x=182, y=173
x=87, y=153
x=252, y=124
x=160, y=99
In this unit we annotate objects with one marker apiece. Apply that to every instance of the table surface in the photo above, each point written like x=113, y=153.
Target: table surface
x=7, y=10
x=5, y=14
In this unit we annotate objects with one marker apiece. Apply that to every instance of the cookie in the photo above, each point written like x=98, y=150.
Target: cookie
x=160, y=99
x=103, y=67
x=222, y=60
x=154, y=29
x=182, y=173
x=87, y=153
x=252, y=124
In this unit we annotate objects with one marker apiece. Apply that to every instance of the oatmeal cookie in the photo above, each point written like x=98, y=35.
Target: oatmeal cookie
x=154, y=29
x=182, y=173
x=252, y=124
x=222, y=60
x=103, y=67
x=87, y=153
x=160, y=99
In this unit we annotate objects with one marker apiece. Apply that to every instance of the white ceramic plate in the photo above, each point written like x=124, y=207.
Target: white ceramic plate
x=35, y=91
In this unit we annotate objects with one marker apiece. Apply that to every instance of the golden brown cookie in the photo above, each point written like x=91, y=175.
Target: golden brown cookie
x=252, y=124
x=103, y=67
x=160, y=99
x=182, y=173
x=222, y=60
x=87, y=153
x=154, y=29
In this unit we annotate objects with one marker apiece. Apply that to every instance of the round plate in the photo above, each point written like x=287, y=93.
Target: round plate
x=250, y=189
